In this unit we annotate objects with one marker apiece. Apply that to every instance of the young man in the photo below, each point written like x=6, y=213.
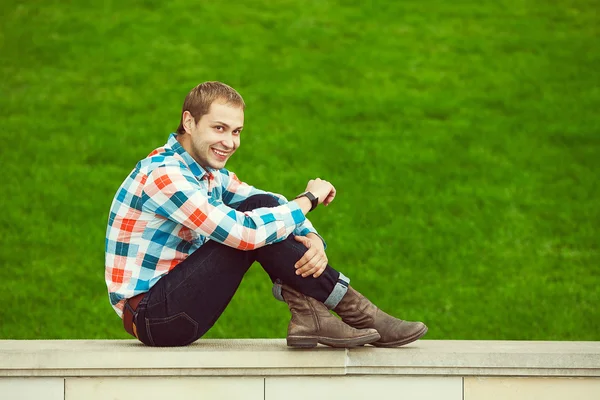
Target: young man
x=183, y=231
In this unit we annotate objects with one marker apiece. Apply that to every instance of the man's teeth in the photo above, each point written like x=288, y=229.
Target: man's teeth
x=220, y=152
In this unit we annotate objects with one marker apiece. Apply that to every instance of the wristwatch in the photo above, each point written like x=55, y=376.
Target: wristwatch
x=313, y=200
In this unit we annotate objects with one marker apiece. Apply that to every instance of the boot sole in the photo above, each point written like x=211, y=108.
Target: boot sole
x=302, y=342
x=402, y=341
x=308, y=342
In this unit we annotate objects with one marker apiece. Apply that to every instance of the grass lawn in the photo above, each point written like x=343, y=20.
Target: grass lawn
x=463, y=139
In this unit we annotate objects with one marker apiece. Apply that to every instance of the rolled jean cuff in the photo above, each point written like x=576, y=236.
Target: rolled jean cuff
x=277, y=290
x=338, y=292
x=336, y=295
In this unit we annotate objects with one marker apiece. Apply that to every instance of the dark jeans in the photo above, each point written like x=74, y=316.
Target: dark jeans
x=184, y=304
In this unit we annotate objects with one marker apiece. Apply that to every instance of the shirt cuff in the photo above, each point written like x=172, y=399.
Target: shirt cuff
x=305, y=231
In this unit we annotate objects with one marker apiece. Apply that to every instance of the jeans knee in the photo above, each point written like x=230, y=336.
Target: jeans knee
x=266, y=199
x=258, y=201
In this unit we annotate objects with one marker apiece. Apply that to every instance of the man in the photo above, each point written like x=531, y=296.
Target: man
x=183, y=231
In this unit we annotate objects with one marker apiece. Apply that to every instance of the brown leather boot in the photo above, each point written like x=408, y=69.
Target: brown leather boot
x=312, y=323
x=357, y=311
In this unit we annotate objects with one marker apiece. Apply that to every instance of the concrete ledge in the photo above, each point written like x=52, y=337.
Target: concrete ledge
x=271, y=357
x=266, y=369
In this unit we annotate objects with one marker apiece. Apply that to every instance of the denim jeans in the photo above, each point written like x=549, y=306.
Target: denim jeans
x=184, y=304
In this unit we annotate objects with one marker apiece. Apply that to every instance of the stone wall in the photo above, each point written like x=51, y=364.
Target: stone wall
x=268, y=369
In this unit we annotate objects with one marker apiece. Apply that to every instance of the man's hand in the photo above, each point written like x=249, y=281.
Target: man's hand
x=314, y=261
x=323, y=190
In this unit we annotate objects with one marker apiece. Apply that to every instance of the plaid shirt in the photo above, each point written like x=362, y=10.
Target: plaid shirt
x=169, y=206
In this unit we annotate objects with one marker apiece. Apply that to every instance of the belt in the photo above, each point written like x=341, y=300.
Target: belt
x=130, y=307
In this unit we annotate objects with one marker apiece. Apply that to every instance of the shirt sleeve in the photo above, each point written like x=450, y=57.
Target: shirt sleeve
x=173, y=192
x=236, y=191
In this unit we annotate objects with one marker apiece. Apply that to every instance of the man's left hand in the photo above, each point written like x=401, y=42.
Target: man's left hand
x=314, y=261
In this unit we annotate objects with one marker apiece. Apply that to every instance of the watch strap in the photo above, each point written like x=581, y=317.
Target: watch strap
x=314, y=201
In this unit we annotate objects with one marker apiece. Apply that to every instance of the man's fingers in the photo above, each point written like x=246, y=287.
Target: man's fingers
x=328, y=200
x=308, y=254
x=309, y=266
x=314, y=266
x=306, y=259
x=321, y=269
x=307, y=269
x=304, y=240
x=330, y=196
x=311, y=271
x=317, y=270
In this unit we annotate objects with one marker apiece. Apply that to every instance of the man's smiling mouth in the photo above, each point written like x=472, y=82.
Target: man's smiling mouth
x=220, y=153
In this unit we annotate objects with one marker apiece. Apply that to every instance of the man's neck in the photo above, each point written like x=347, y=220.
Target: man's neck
x=185, y=143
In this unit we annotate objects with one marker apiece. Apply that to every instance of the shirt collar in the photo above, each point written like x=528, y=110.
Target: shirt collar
x=196, y=169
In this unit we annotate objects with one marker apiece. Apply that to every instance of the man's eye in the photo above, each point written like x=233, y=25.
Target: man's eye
x=219, y=128
x=237, y=132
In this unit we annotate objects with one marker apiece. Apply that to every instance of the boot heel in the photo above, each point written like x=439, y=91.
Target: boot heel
x=302, y=342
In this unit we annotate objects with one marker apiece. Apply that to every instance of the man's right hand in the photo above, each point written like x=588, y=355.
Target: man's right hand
x=323, y=190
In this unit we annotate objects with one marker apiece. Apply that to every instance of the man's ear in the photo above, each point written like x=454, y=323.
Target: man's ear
x=188, y=121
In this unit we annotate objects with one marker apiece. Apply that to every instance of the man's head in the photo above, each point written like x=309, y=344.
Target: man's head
x=211, y=122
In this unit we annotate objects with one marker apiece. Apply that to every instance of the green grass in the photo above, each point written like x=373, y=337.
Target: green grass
x=463, y=138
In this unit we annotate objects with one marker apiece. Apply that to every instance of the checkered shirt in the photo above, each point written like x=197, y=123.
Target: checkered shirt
x=169, y=206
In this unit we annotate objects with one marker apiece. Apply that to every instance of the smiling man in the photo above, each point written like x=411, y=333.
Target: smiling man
x=183, y=231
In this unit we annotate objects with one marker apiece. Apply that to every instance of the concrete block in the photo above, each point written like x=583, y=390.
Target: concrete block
x=32, y=388
x=363, y=387
x=161, y=388
x=531, y=388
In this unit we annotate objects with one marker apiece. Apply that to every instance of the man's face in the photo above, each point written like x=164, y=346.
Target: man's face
x=216, y=136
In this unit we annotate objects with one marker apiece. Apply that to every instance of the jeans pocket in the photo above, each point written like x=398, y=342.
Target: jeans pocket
x=176, y=330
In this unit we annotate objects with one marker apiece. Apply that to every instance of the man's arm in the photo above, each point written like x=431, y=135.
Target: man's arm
x=235, y=191
x=172, y=192
x=314, y=261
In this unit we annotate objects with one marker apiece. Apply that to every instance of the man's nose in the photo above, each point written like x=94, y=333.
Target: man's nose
x=228, y=142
